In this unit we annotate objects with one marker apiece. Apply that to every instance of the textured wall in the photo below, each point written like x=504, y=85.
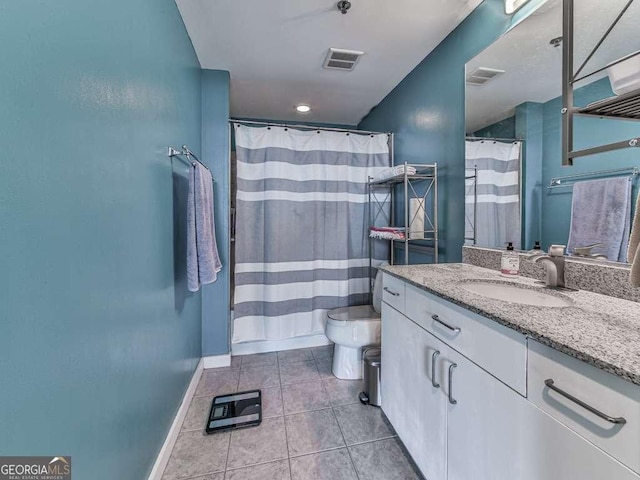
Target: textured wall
x=426, y=113
x=215, y=153
x=529, y=125
x=98, y=334
x=505, y=128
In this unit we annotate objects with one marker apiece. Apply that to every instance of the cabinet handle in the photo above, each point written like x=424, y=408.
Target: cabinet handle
x=452, y=401
x=395, y=294
x=444, y=324
x=617, y=420
x=434, y=357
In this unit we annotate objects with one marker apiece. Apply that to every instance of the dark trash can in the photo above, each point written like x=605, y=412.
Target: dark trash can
x=371, y=380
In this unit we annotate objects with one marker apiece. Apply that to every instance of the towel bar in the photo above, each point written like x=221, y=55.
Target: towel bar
x=172, y=152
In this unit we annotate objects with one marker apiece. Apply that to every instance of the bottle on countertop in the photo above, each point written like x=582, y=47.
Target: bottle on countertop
x=510, y=262
x=537, y=249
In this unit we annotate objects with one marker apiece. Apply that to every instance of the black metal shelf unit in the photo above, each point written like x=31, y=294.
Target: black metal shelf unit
x=621, y=107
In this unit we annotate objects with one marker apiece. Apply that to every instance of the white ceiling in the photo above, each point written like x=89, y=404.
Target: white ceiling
x=274, y=51
x=534, y=68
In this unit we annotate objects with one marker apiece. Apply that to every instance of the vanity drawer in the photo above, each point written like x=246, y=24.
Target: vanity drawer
x=497, y=349
x=602, y=391
x=393, y=292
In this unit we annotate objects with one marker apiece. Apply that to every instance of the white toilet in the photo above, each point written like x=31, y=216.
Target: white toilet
x=351, y=329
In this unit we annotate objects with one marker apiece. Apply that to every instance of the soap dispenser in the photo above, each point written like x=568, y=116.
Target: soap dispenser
x=510, y=262
x=537, y=249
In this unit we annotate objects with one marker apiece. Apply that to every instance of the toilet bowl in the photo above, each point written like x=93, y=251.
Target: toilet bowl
x=351, y=329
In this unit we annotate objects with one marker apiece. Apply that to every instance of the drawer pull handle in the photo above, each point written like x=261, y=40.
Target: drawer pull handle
x=395, y=294
x=434, y=357
x=452, y=401
x=617, y=420
x=444, y=324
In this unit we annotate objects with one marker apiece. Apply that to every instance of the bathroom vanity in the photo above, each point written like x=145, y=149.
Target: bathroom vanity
x=486, y=389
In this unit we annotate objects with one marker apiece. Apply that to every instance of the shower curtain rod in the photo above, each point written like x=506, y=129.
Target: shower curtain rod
x=495, y=139
x=307, y=127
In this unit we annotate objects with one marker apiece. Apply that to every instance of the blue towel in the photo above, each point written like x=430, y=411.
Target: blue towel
x=633, y=256
x=601, y=213
x=203, y=261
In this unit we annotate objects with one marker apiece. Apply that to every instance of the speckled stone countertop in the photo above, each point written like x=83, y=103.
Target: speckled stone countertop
x=600, y=330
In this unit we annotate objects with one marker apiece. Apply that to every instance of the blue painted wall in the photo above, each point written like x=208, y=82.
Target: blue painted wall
x=426, y=113
x=98, y=334
x=556, y=204
x=215, y=154
x=503, y=129
x=529, y=125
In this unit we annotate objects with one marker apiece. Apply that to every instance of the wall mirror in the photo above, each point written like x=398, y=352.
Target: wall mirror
x=516, y=187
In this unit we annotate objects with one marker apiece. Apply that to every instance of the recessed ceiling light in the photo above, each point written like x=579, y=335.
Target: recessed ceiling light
x=302, y=108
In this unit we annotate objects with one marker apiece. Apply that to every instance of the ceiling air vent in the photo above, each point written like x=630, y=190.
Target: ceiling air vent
x=338, y=59
x=482, y=75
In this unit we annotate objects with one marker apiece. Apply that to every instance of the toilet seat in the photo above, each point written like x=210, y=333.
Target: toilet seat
x=340, y=317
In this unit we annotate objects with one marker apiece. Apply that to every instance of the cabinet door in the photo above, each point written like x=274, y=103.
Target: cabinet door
x=555, y=451
x=416, y=409
x=496, y=434
x=484, y=425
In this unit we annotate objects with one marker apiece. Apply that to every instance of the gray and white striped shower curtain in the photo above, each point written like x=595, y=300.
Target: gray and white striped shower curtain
x=301, y=239
x=497, y=212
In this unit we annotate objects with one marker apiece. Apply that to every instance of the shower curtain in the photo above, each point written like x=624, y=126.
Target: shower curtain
x=301, y=237
x=497, y=200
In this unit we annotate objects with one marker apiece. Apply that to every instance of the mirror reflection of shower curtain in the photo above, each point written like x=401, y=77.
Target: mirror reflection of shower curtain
x=301, y=241
x=493, y=206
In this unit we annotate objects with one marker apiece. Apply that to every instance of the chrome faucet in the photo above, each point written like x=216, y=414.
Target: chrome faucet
x=554, y=264
x=587, y=252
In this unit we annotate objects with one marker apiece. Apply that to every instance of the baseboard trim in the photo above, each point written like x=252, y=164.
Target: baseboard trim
x=249, y=348
x=217, y=361
x=172, y=436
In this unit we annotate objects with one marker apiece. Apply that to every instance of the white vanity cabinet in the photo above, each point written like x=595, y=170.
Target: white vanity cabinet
x=602, y=408
x=550, y=450
x=484, y=425
x=495, y=434
x=455, y=403
x=393, y=292
x=417, y=410
x=499, y=350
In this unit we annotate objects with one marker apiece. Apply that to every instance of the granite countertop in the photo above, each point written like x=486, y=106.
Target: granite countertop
x=600, y=330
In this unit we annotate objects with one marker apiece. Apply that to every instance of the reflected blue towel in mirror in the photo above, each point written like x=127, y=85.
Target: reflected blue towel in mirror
x=633, y=256
x=601, y=213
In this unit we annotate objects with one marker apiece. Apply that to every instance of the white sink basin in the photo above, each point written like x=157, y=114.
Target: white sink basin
x=515, y=294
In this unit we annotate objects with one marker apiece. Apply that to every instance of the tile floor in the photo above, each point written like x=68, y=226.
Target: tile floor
x=313, y=426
